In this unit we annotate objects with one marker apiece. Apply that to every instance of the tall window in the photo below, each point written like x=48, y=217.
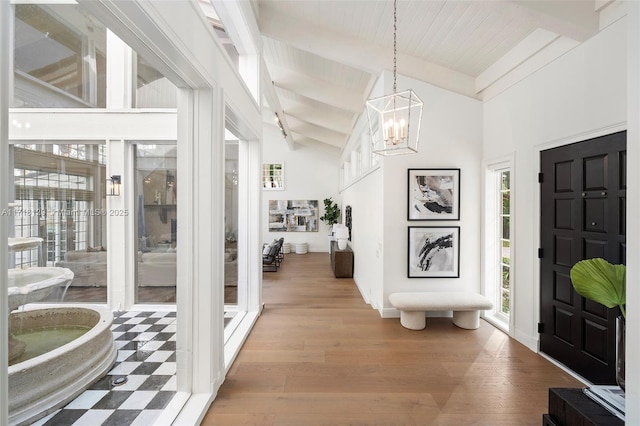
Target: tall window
x=504, y=177
x=498, y=243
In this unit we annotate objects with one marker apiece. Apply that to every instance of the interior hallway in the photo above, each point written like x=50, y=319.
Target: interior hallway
x=320, y=355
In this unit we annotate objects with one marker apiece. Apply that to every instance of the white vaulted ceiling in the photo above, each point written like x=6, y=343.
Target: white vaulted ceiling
x=323, y=56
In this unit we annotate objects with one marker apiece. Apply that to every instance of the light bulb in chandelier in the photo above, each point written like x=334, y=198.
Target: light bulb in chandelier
x=395, y=131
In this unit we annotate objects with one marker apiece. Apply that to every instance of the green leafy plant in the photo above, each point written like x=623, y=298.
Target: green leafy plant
x=600, y=281
x=331, y=212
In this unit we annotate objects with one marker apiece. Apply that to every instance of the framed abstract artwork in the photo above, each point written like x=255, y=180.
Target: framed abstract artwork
x=293, y=215
x=434, y=194
x=434, y=252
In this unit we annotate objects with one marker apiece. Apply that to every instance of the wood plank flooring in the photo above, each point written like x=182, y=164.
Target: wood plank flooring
x=319, y=355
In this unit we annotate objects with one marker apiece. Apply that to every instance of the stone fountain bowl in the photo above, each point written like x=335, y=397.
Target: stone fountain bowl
x=40, y=385
x=33, y=284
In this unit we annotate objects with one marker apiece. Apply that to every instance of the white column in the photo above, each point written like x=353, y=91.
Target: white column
x=200, y=292
x=120, y=214
x=250, y=231
x=249, y=68
x=6, y=54
x=120, y=76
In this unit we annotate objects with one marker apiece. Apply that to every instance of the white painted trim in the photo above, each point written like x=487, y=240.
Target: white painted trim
x=73, y=124
x=528, y=340
x=192, y=411
x=6, y=67
x=237, y=338
x=489, y=167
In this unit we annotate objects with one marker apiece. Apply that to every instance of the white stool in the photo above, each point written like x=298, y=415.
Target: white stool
x=302, y=248
x=286, y=248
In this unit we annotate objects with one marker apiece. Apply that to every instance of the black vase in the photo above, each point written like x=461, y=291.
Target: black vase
x=620, y=348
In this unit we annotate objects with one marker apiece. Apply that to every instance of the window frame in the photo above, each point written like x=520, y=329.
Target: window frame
x=493, y=239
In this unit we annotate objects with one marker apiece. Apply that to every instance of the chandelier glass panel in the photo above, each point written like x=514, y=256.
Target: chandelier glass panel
x=394, y=120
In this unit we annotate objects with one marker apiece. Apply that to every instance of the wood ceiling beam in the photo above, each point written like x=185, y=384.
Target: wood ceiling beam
x=319, y=133
x=316, y=89
x=577, y=20
x=357, y=53
x=269, y=93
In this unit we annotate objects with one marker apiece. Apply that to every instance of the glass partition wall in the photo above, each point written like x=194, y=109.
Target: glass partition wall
x=156, y=222
x=231, y=229
x=59, y=57
x=57, y=216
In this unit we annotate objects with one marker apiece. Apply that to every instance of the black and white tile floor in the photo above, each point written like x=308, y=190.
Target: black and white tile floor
x=146, y=344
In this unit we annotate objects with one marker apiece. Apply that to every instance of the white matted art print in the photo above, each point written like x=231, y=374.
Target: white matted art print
x=434, y=252
x=434, y=194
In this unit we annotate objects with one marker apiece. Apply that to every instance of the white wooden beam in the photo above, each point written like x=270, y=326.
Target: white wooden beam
x=316, y=132
x=338, y=122
x=316, y=89
x=308, y=141
x=269, y=93
x=357, y=53
x=577, y=20
x=532, y=44
x=91, y=124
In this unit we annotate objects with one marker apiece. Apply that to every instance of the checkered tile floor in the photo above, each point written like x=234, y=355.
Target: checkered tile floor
x=146, y=344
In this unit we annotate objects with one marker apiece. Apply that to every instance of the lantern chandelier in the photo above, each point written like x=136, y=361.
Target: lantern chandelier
x=394, y=120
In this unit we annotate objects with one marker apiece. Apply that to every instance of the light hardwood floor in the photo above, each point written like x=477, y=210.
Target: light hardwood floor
x=319, y=355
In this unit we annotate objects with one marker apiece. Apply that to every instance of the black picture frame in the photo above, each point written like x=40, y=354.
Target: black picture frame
x=433, y=252
x=433, y=194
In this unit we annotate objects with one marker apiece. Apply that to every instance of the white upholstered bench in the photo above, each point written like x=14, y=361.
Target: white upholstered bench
x=466, y=307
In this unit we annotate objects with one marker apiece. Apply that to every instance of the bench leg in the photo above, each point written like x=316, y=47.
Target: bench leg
x=467, y=319
x=413, y=320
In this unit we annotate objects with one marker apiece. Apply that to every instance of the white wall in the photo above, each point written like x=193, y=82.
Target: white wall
x=310, y=173
x=450, y=137
x=580, y=95
x=365, y=199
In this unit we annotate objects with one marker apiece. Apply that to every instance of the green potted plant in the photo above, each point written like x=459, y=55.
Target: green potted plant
x=331, y=213
x=605, y=283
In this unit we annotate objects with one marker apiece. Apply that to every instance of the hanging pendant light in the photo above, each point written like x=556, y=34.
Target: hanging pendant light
x=394, y=120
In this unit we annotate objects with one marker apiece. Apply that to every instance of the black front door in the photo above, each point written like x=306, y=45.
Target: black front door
x=583, y=202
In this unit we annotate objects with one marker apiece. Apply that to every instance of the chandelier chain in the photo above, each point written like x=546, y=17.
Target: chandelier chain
x=395, y=51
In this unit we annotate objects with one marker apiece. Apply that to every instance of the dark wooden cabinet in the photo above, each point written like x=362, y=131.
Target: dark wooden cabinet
x=571, y=407
x=341, y=261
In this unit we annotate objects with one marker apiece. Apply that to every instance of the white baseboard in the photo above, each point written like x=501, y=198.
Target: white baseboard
x=528, y=340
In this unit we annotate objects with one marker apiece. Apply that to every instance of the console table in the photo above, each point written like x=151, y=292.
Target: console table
x=341, y=261
x=571, y=407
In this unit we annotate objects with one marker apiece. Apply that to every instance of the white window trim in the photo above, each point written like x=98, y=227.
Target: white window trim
x=6, y=59
x=490, y=238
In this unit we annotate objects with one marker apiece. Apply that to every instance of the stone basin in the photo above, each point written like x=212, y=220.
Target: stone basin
x=41, y=385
